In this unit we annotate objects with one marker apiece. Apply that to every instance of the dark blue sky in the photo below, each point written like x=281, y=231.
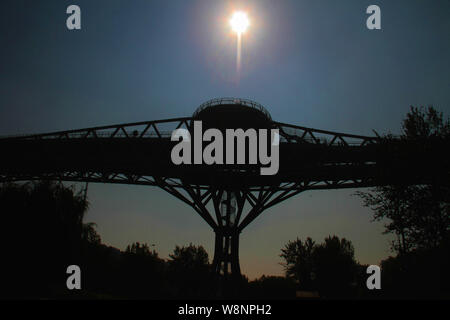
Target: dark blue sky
x=311, y=63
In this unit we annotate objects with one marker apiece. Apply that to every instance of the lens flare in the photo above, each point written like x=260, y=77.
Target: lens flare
x=239, y=22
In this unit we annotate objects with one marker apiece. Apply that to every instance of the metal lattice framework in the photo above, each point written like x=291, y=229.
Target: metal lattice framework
x=138, y=153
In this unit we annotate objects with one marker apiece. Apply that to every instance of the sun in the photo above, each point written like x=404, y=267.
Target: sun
x=239, y=22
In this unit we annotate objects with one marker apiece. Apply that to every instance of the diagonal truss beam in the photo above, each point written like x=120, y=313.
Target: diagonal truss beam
x=298, y=134
x=195, y=201
x=126, y=130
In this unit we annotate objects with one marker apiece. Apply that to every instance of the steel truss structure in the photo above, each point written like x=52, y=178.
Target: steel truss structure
x=136, y=153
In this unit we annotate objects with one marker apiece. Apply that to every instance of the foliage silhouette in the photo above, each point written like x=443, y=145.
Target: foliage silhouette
x=419, y=215
x=190, y=271
x=329, y=268
x=42, y=227
x=299, y=261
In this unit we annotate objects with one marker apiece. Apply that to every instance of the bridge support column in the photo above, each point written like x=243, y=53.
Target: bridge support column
x=226, y=253
x=225, y=264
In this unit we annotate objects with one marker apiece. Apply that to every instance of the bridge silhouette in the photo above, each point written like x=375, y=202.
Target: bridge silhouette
x=227, y=197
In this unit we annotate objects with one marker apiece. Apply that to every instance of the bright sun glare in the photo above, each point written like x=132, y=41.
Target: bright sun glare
x=239, y=22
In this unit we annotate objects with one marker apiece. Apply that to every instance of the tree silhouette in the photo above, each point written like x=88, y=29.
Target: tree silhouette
x=142, y=272
x=422, y=123
x=141, y=249
x=419, y=215
x=335, y=267
x=89, y=234
x=42, y=227
x=329, y=267
x=190, y=271
x=271, y=287
x=299, y=261
x=190, y=257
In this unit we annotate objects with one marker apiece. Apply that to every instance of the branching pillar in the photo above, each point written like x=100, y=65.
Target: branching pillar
x=228, y=208
x=226, y=253
x=226, y=250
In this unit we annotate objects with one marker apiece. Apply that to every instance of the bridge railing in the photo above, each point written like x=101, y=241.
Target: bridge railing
x=158, y=128
x=293, y=133
x=228, y=101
